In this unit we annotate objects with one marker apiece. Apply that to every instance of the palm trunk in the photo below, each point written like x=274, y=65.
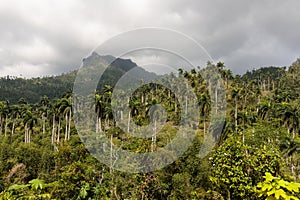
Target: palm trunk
x=53, y=130
x=235, y=116
x=111, y=153
x=204, y=126
x=13, y=127
x=25, y=140
x=5, y=127
x=153, y=144
x=44, y=123
x=0, y=124
x=29, y=135
x=186, y=105
x=293, y=132
x=97, y=122
x=100, y=125
x=128, y=123
x=66, y=128
x=58, y=131
x=69, y=128
x=216, y=98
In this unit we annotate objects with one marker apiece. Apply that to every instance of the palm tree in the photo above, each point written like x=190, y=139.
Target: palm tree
x=5, y=111
x=65, y=109
x=57, y=115
x=107, y=93
x=290, y=117
x=235, y=95
x=15, y=114
x=204, y=104
x=99, y=108
x=29, y=120
x=2, y=111
x=44, y=109
x=53, y=112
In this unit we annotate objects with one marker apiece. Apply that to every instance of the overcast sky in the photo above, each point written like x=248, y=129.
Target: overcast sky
x=45, y=37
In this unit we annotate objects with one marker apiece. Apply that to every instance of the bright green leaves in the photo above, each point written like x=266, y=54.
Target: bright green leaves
x=237, y=168
x=37, y=184
x=35, y=189
x=268, y=177
x=277, y=188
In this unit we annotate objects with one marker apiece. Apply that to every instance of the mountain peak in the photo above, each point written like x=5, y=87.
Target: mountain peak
x=121, y=63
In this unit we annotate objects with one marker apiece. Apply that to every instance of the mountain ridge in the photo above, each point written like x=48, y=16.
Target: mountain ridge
x=15, y=88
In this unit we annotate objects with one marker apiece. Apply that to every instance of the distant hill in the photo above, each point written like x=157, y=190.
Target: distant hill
x=13, y=89
x=116, y=68
x=264, y=73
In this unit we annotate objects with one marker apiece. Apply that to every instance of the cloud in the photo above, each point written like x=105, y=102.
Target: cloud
x=51, y=37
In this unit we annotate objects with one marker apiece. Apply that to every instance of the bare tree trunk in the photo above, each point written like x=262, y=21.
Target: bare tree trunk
x=53, y=130
x=235, y=116
x=100, y=125
x=128, y=124
x=186, y=104
x=294, y=135
x=69, y=128
x=13, y=127
x=111, y=153
x=66, y=127
x=0, y=124
x=44, y=123
x=216, y=99
x=25, y=140
x=29, y=135
x=153, y=144
x=97, y=122
x=58, y=131
x=5, y=127
x=204, y=125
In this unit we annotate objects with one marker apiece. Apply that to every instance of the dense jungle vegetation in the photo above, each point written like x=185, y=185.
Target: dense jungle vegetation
x=257, y=155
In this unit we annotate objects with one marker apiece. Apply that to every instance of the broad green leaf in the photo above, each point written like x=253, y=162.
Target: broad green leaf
x=280, y=193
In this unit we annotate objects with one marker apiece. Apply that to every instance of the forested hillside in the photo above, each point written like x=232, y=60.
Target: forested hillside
x=13, y=89
x=257, y=155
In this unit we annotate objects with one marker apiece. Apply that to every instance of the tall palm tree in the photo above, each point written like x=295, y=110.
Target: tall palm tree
x=5, y=111
x=57, y=115
x=99, y=108
x=290, y=117
x=15, y=114
x=65, y=110
x=107, y=94
x=2, y=111
x=29, y=120
x=44, y=110
x=235, y=95
x=53, y=112
x=204, y=104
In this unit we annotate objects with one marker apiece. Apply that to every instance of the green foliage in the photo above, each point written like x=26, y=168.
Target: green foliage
x=277, y=188
x=42, y=157
x=237, y=168
x=33, y=190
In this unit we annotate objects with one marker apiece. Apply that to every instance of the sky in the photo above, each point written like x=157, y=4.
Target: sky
x=50, y=37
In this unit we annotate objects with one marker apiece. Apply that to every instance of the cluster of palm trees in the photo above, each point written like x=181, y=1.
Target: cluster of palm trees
x=249, y=101
x=41, y=118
